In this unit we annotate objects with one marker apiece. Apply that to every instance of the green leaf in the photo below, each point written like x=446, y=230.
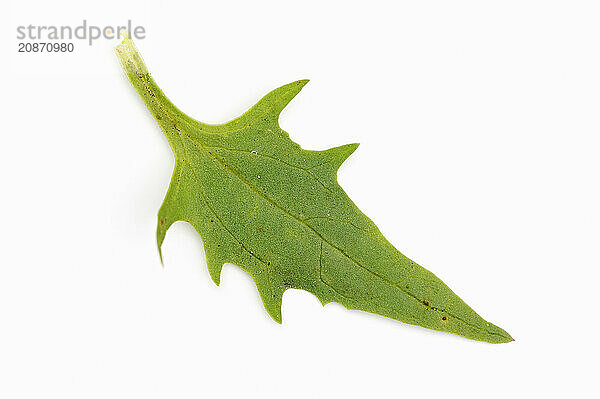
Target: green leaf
x=261, y=202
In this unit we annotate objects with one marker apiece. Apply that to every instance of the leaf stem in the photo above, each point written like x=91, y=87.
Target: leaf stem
x=164, y=111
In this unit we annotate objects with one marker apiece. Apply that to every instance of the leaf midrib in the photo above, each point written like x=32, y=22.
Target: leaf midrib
x=323, y=239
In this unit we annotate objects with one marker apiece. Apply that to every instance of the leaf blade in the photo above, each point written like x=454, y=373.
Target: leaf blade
x=263, y=203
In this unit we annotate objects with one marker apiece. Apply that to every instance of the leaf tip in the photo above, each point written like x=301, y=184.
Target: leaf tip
x=279, y=98
x=339, y=154
x=162, y=263
x=497, y=335
x=214, y=270
x=161, y=231
x=507, y=338
x=346, y=150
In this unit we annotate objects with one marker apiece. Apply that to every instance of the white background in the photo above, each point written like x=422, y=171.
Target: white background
x=479, y=129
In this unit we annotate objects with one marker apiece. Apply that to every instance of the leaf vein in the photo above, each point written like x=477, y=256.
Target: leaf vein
x=276, y=159
x=323, y=239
